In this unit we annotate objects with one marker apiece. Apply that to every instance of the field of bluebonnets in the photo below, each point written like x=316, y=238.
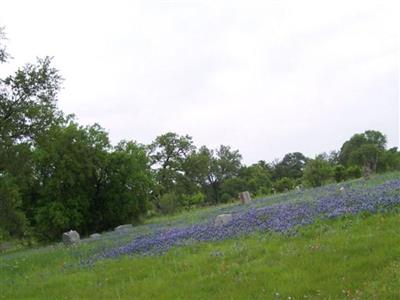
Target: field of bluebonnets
x=281, y=213
x=349, y=250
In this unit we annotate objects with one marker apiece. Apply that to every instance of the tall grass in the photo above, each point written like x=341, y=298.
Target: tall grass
x=350, y=258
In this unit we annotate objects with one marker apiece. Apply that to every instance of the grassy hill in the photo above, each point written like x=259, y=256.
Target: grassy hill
x=322, y=243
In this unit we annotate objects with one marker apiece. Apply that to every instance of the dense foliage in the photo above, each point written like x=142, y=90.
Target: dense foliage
x=56, y=175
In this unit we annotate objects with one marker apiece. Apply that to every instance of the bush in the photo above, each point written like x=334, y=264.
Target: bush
x=52, y=221
x=317, y=172
x=169, y=203
x=190, y=201
x=353, y=172
x=225, y=198
x=340, y=173
x=283, y=185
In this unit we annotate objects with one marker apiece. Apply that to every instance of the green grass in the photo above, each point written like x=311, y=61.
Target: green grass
x=349, y=258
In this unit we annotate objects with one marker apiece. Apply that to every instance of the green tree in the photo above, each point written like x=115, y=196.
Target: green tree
x=291, y=166
x=12, y=219
x=339, y=173
x=27, y=111
x=3, y=51
x=225, y=163
x=196, y=168
x=206, y=170
x=28, y=102
x=389, y=160
x=125, y=189
x=283, y=185
x=255, y=179
x=69, y=166
x=110, y=186
x=317, y=171
x=363, y=150
x=167, y=155
x=353, y=172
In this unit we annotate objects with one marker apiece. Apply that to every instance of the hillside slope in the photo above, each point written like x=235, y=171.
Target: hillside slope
x=352, y=254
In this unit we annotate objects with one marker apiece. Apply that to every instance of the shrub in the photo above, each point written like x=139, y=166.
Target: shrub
x=353, y=172
x=225, y=198
x=52, y=219
x=190, y=201
x=340, y=173
x=169, y=203
x=317, y=172
x=284, y=184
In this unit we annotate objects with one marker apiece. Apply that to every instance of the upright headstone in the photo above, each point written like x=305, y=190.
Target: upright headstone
x=95, y=236
x=123, y=228
x=70, y=237
x=222, y=219
x=245, y=197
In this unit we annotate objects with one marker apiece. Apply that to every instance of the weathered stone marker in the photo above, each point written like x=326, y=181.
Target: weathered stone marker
x=245, y=197
x=70, y=237
x=222, y=219
x=95, y=236
x=123, y=228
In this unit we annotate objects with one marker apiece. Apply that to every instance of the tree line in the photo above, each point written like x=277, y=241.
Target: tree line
x=57, y=175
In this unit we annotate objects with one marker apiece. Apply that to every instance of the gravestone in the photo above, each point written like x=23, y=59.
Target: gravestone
x=123, y=228
x=245, y=197
x=70, y=237
x=299, y=188
x=95, y=236
x=222, y=219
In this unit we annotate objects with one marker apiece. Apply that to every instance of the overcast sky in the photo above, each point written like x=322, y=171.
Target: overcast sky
x=266, y=77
